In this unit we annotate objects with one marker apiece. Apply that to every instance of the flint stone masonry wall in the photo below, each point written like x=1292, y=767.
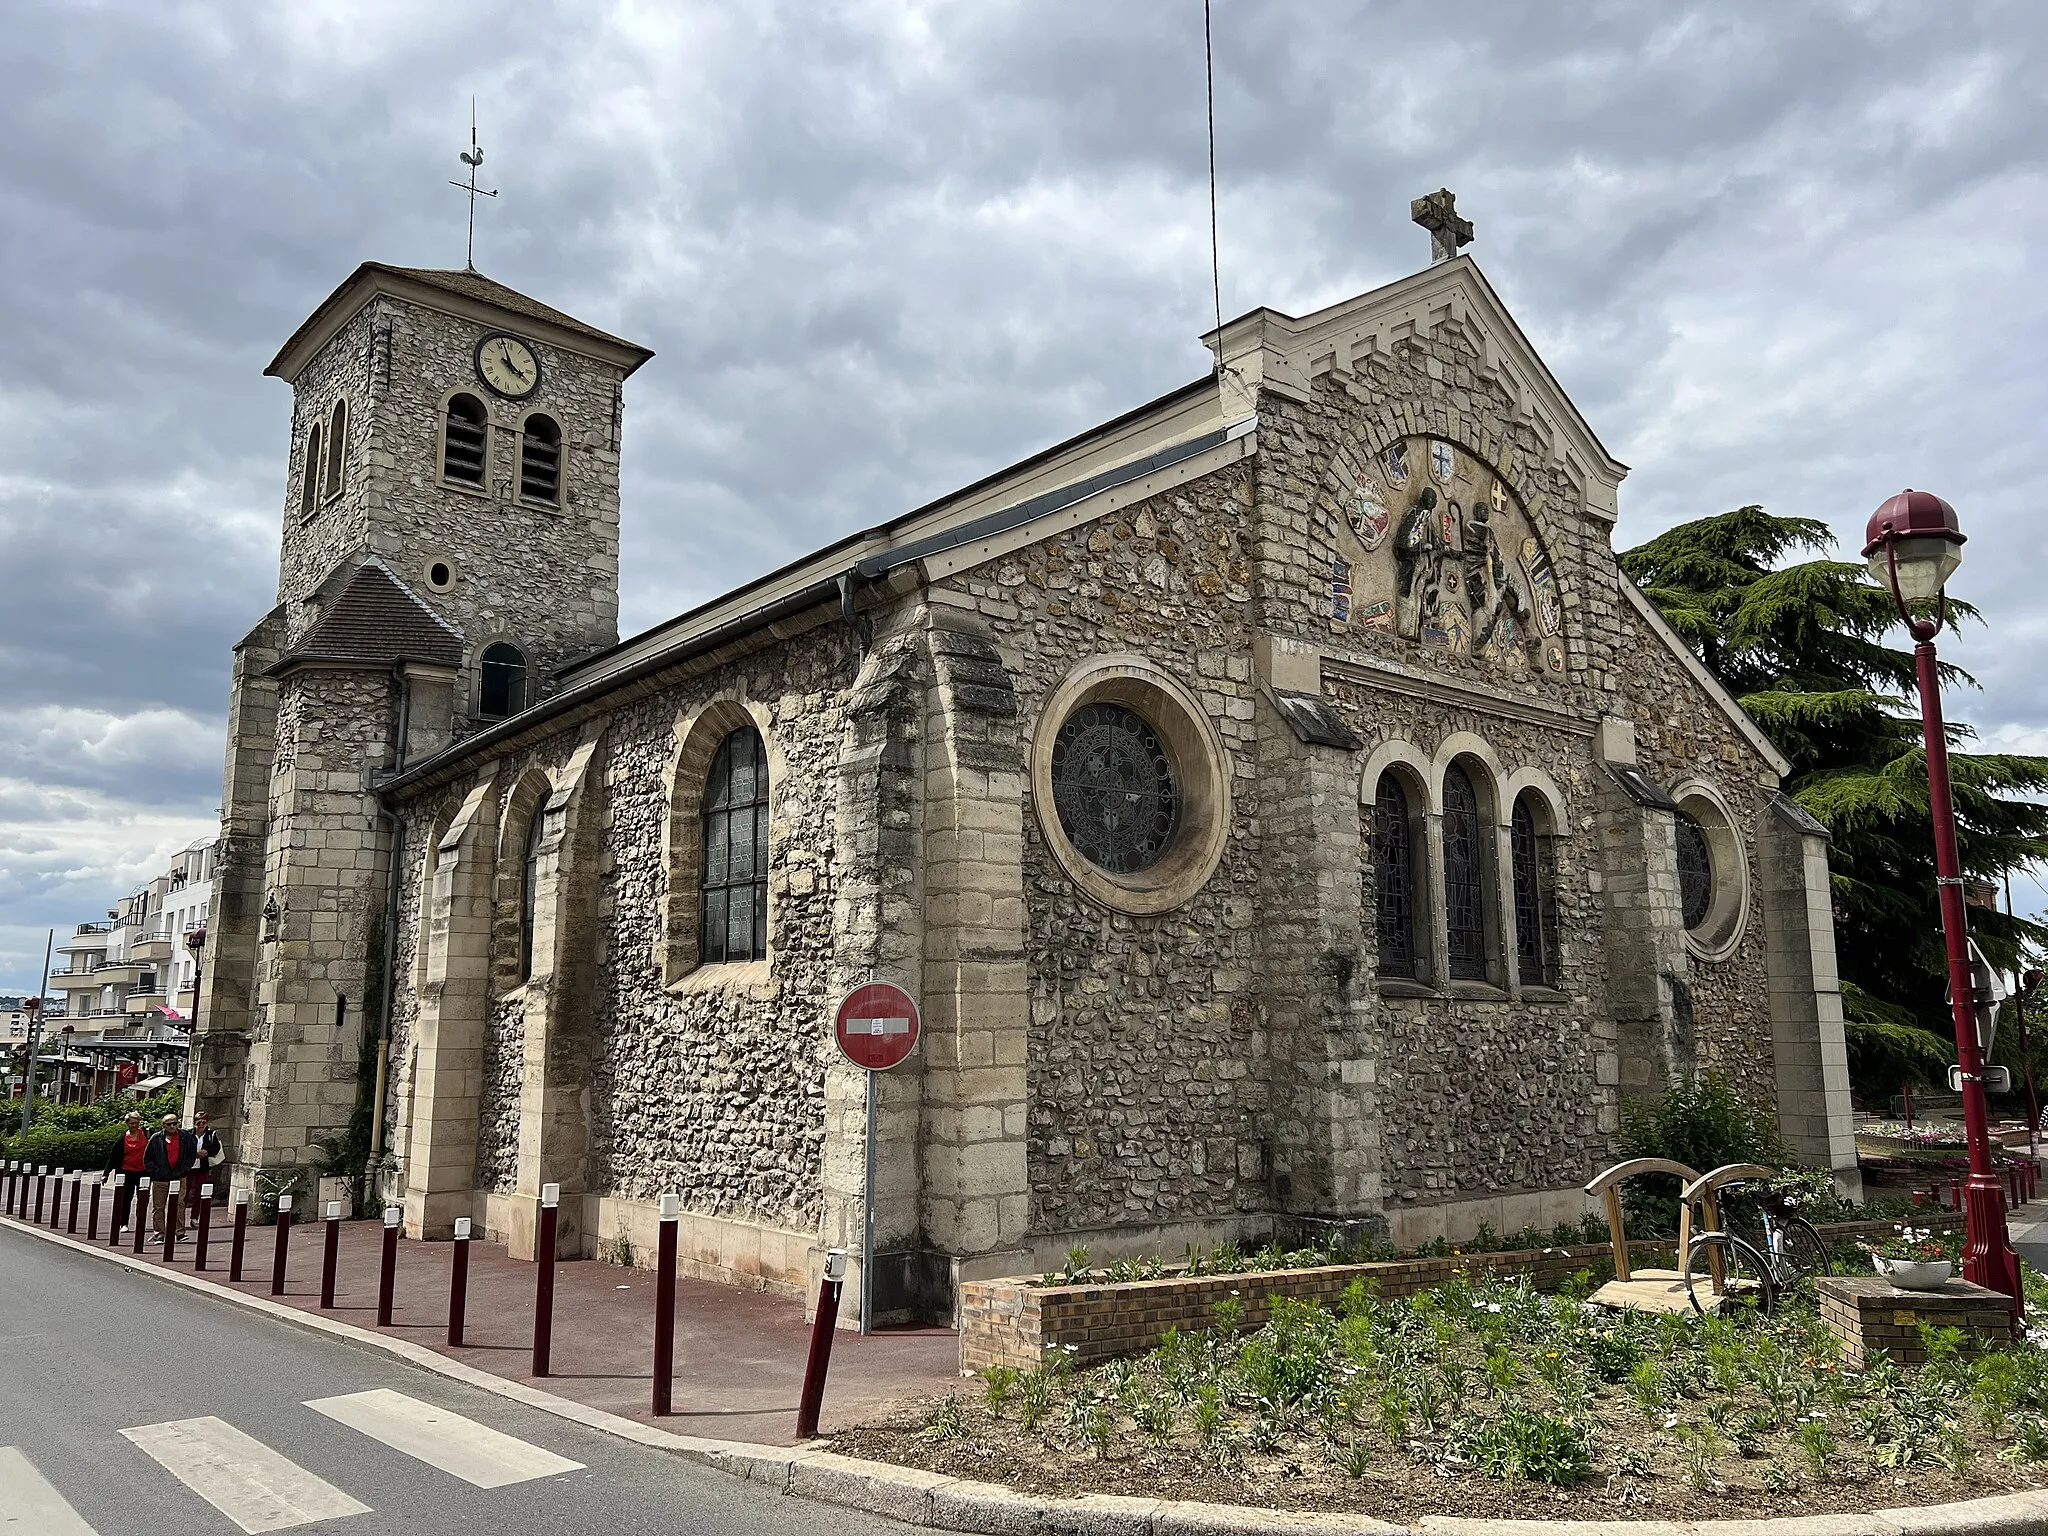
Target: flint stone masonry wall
x=1681, y=736
x=1485, y=1097
x=497, y=1151
x=1146, y=1052
x=716, y=1087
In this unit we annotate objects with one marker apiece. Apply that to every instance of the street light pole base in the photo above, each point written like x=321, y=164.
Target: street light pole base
x=1988, y=1258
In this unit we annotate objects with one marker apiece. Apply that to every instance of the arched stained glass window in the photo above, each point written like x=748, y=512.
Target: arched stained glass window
x=1695, y=871
x=529, y=889
x=1535, y=899
x=1464, y=876
x=734, y=920
x=1393, y=857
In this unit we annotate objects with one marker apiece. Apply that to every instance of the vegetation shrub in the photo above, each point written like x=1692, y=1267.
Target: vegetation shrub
x=82, y=1136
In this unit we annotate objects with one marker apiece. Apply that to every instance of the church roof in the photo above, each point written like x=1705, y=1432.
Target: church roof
x=376, y=621
x=458, y=289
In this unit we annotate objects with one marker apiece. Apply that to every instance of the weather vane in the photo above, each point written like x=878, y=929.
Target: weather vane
x=472, y=157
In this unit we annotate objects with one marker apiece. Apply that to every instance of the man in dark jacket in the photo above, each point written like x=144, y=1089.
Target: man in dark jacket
x=168, y=1160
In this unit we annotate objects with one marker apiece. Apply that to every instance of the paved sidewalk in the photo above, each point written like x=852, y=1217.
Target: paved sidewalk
x=739, y=1355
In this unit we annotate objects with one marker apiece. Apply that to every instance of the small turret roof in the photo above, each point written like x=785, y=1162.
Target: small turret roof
x=378, y=621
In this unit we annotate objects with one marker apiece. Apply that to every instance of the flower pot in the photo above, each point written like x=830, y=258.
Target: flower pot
x=1916, y=1274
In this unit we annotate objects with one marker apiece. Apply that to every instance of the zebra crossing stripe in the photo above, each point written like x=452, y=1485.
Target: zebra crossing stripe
x=242, y=1477
x=29, y=1504
x=442, y=1438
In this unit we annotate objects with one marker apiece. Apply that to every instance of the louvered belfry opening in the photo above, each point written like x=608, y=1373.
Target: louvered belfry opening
x=462, y=449
x=540, y=460
x=503, y=690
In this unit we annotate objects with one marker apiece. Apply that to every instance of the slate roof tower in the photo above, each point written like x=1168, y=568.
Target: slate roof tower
x=450, y=539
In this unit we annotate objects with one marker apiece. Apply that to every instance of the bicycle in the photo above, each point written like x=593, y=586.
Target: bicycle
x=1757, y=1253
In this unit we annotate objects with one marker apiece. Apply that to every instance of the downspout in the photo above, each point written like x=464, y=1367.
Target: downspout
x=394, y=864
x=849, y=615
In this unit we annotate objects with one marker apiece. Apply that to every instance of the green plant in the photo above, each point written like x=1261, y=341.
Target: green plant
x=1155, y=1416
x=2031, y=1442
x=1777, y=1479
x=1077, y=1271
x=1501, y=1372
x=1646, y=1384
x=1357, y=1459
x=1700, y=1121
x=1394, y=1415
x=1817, y=1444
x=1523, y=1444
x=947, y=1421
x=998, y=1387
x=1208, y=1415
x=1699, y=1447
x=1034, y=1395
x=1229, y=1314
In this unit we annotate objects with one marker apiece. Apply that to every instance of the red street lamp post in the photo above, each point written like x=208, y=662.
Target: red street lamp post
x=1913, y=545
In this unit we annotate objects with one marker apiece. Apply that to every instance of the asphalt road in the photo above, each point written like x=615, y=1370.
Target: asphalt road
x=89, y=1350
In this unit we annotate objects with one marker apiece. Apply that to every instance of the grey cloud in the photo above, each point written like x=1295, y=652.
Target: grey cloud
x=1776, y=251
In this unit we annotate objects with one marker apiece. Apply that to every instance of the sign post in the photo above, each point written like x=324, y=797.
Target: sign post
x=877, y=1028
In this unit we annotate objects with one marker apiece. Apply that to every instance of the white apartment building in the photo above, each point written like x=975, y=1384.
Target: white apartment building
x=133, y=975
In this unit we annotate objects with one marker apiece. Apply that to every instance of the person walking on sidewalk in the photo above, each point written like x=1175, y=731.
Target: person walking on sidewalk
x=130, y=1154
x=206, y=1157
x=167, y=1161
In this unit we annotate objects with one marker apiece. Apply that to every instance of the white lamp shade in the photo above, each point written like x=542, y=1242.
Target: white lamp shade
x=334, y=1210
x=462, y=1229
x=391, y=1215
x=1924, y=566
x=550, y=1194
x=284, y=1202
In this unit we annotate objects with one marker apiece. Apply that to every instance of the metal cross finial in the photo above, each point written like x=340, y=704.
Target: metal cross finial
x=472, y=157
x=1438, y=213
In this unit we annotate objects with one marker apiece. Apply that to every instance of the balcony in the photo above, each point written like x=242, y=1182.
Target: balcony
x=153, y=948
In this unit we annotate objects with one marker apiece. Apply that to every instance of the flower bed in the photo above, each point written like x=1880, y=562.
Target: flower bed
x=1486, y=1398
x=1015, y=1322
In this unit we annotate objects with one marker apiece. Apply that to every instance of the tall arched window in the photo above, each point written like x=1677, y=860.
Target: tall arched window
x=309, y=476
x=1535, y=897
x=1464, y=876
x=540, y=460
x=1393, y=861
x=462, y=441
x=337, y=449
x=502, y=684
x=529, y=889
x=734, y=906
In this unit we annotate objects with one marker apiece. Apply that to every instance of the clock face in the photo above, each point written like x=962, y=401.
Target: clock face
x=508, y=365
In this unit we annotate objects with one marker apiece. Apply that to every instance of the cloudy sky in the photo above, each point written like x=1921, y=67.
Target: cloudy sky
x=1777, y=251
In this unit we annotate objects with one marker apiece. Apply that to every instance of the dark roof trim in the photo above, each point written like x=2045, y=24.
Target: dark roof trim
x=1796, y=816
x=882, y=530
x=555, y=706
x=1641, y=788
x=1315, y=721
x=1046, y=503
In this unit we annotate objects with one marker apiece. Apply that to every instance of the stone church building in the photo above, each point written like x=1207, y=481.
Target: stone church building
x=1283, y=809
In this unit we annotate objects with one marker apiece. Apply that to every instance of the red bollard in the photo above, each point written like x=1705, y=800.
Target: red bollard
x=823, y=1326
x=124, y=1198
x=42, y=1178
x=7, y=1187
x=71, y=1221
x=57, y=1201
x=387, y=1271
x=284, y=1238
x=205, y=1226
x=138, y=1214
x=665, y=1304
x=92, y=1212
x=458, y=1281
x=241, y=1237
x=1955, y=1194
x=332, y=1255
x=544, y=1278
x=170, y=1231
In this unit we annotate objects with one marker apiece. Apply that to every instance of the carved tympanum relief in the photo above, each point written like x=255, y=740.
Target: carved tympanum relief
x=1435, y=547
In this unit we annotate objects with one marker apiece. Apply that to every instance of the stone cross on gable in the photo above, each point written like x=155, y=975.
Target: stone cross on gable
x=1438, y=213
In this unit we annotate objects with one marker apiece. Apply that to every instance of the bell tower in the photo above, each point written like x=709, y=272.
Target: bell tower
x=451, y=539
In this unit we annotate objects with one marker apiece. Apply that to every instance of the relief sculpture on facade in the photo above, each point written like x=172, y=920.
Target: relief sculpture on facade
x=1438, y=549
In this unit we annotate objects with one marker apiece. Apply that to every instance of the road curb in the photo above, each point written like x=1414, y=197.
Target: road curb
x=935, y=1501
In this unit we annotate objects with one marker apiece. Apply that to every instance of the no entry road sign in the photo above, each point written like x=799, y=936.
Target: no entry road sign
x=877, y=1026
